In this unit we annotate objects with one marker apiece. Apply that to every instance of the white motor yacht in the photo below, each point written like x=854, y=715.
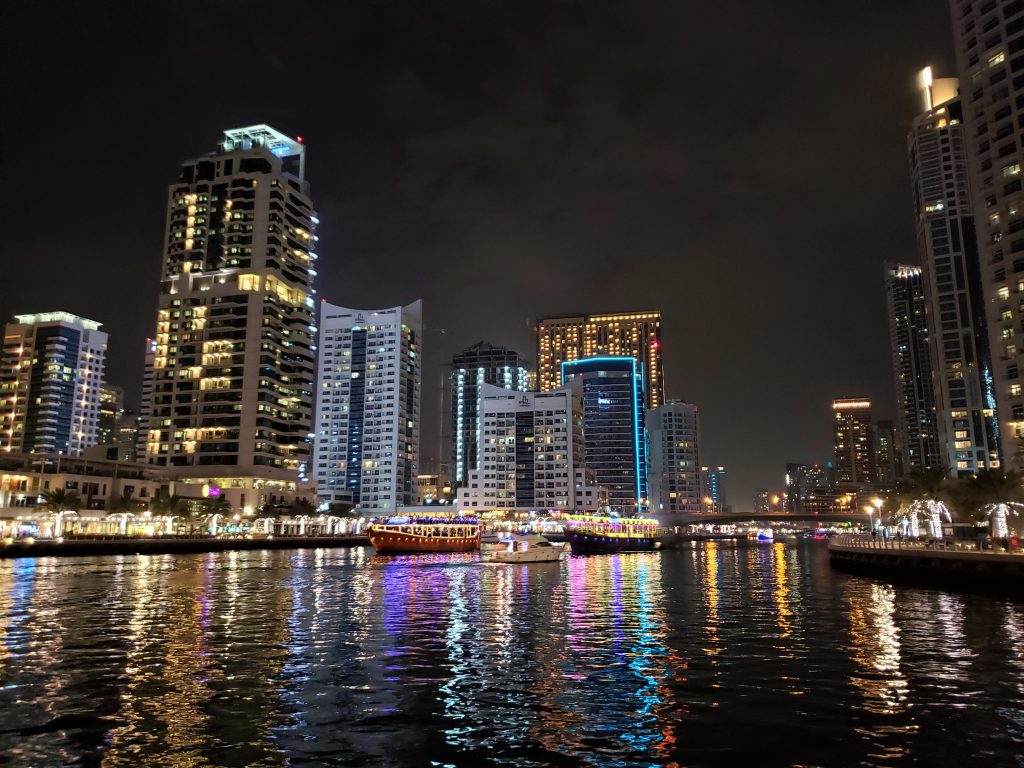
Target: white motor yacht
x=530, y=549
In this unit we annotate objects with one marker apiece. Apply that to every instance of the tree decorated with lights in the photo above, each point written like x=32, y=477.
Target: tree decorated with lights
x=921, y=501
x=996, y=495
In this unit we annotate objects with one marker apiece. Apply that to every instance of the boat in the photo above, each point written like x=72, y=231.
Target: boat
x=494, y=539
x=608, y=533
x=535, y=549
x=764, y=534
x=400, y=534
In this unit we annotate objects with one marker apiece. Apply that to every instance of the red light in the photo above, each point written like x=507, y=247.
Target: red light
x=656, y=344
x=299, y=139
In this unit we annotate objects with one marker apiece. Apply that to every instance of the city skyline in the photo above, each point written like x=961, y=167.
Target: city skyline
x=660, y=209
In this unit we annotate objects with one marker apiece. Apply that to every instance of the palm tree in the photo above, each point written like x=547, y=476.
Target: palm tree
x=61, y=500
x=921, y=496
x=995, y=494
x=125, y=503
x=167, y=504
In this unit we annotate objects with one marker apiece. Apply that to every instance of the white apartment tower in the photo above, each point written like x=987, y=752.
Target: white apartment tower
x=228, y=388
x=673, y=437
x=530, y=456
x=989, y=40
x=51, y=376
x=368, y=406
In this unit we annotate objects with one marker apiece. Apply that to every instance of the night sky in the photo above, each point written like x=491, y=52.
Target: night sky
x=739, y=166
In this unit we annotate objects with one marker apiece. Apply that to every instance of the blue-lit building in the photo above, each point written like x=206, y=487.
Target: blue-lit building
x=613, y=427
x=51, y=377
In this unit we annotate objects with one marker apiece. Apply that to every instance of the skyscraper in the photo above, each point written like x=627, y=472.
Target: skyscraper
x=854, y=443
x=368, y=406
x=888, y=466
x=111, y=407
x=51, y=377
x=961, y=363
x=227, y=398
x=613, y=427
x=531, y=453
x=989, y=39
x=673, y=437
x=912, y=367
x=479, y=364
x=574, y=337
x=712, y=489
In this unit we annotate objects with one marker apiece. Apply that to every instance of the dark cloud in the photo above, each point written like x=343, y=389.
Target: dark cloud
x=738, y=165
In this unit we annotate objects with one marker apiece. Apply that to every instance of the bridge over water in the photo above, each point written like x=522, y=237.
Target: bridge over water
x=773, y=517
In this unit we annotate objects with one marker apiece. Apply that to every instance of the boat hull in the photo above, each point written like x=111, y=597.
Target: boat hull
x=595, y=544
x=532, y=555
x=389, y=542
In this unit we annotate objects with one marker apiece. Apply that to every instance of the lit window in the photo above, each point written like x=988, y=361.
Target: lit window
x=1013, y=169
x=996, y=58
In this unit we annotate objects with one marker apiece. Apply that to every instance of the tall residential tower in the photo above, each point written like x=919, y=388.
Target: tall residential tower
x=368, y=406
x=613, y=428
x=912, y=367
x=479, y=364
x=51, y=380
x=227, y=398
x=574, y=337
x=968, y=431
x=989, y=39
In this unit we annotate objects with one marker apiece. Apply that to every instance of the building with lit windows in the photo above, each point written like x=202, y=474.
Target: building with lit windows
x=531, y=454
x=479, y=364
x=366, y=443
x=854, y=442
x=673, y=438
x=228, y=388
x=712, y=489
x=613, y=427
x=111, y=406
x=965, y=407
x=574, y=337
x=989, y=41
x=51, y=380
x=888, y=463
x=910, y=344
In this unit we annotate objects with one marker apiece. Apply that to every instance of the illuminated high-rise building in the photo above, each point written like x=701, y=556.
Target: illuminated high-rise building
x=989, y=40
x=965, y=406
x=712, y=489
x=479, y=364
x=228, y=390
x=854, y=442
x=368, y=406
x=613, y=427
x=888, y=464
x=51, y=379
x=911, y=349
x=111, y=408
x=531, y=453
x=574, y=337
x=673, y=438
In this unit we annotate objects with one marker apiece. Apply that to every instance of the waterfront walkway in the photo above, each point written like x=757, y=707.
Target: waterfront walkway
x=932, y=560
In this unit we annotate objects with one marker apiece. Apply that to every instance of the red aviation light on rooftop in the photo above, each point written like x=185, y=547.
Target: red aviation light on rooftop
x=298, y=139
x=656, y=344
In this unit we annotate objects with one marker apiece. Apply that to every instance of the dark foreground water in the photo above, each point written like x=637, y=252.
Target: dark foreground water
x=720, y=655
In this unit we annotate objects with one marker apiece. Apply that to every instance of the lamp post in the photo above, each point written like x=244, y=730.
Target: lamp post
x=869, y=509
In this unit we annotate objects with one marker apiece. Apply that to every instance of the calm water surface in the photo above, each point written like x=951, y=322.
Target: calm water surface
x=716, y=655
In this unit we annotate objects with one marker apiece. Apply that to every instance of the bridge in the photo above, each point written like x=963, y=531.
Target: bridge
x=773, y=517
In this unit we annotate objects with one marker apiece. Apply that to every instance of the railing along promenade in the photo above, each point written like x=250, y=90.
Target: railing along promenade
x=995, y=563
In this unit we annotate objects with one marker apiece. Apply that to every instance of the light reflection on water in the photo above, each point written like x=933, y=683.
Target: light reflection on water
x=718, y=653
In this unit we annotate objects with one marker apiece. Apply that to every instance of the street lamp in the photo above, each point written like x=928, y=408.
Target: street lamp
x=869, y=509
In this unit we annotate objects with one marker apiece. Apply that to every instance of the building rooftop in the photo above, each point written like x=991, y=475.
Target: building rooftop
x=58, y=317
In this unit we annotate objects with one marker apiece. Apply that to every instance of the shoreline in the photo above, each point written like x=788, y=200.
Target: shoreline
x=71, y=547
x=928, y=565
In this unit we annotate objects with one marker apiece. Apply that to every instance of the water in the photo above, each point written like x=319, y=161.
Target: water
x=717, y=655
